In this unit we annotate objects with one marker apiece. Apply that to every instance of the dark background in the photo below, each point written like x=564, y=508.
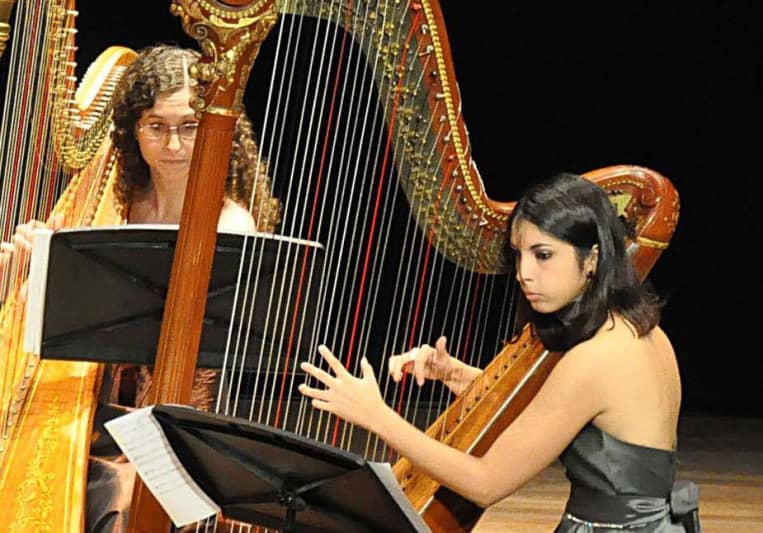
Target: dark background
x=552, y=86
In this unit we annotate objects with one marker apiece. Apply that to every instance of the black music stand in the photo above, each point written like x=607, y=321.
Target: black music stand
x=277, y=479
x=98, y=294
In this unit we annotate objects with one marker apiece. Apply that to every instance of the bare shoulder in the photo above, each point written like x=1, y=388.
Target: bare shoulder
x=618, y=337
x=615, y=350
x=588, y=356
x=234, y=217
x=577, y=381
x=637, y=381
x=659, y=337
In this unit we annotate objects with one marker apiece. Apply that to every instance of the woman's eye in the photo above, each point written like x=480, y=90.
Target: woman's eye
x=543, y=256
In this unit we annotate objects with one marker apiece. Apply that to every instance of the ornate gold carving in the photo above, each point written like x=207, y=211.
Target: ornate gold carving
x=225, y=35
x=38, y=486
x=651, y=243
x=621, y=201
x=452, y=119
x=5, y=28
x=409, y=65
x=466, y=232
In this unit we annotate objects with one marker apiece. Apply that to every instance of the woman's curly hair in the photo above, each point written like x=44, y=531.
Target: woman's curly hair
x=161, y=69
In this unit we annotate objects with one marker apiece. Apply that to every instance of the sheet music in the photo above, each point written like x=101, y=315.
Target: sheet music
x=38, y=277
x=142, y=440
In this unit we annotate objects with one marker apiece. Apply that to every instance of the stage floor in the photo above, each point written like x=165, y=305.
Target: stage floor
x=724, y=456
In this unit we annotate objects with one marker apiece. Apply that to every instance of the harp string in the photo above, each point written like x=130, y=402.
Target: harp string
x=303, y=199
x=30, y=172
x=439, y=259
x=366, y=274
x=272, y=146
x=417, y=335
x=337, y=190
x=316, y=216
x=357, y=218
x=253, y=269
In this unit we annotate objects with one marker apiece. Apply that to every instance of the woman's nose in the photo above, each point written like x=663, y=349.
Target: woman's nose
x=524, y=270
x=173, y=141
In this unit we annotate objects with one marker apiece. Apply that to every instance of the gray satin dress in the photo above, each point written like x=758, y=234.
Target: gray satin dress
x=618, y=486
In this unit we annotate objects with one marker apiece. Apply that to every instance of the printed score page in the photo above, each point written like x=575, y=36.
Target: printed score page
x=142, y=440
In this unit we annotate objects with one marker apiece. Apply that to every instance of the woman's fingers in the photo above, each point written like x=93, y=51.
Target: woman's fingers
x=334, y=363
x=367, y=370
x=56, y=221
x=396, y=365
x=24, y=234
x=442, y=347
x=312, y=392
x=320, y=397
x=420, y=364
x=6, y=254
x=316, y=396
x=21, y=242
x=406, y=363
x=345, y=395
x=405, y=368
x=320, y=404
x=319, y=374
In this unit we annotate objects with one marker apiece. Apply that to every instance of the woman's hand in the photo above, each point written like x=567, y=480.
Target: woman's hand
x=427, y=362
x=356, y=400
x=6, y=261
x=24, y=235
x=15, y=254
x=19, y=247
x=6, y=254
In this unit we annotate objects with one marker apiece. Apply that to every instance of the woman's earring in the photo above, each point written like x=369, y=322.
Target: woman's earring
x=589, y=274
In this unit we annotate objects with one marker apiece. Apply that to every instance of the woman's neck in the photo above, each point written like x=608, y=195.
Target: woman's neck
x=161, y=202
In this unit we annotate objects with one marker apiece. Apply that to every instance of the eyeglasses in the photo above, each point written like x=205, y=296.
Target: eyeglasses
x=157, y=131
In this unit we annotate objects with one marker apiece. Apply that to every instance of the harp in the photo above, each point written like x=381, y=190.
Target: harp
x=423, y=142
x=57, y=160
x=453, y=226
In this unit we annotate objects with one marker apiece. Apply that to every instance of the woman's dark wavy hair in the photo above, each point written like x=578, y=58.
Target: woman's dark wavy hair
x=164, y=68
x=578, y=212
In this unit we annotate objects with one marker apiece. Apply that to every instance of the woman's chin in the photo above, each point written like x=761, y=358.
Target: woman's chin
x=543, y=308
x=174, y=171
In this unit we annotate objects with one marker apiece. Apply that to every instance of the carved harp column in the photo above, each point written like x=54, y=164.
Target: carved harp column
x=230, y=34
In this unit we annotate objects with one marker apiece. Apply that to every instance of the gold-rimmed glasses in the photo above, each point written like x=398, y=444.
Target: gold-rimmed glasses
x=158, y=131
